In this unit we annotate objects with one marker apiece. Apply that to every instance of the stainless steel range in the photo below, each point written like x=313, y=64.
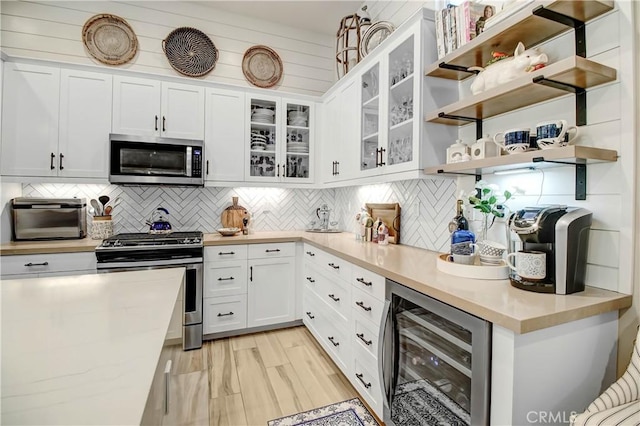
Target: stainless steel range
x=131, y=252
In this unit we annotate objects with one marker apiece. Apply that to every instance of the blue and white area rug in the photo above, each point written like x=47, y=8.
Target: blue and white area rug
x=345, y=413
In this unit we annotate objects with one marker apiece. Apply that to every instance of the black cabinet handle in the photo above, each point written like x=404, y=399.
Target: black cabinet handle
x=251, y=273
x=333, y=265
x=361, y=304
x=53, y=157
x=164, y=122
x=224, y=315
x=311, y=253
x=226, y=279
x=361, y=337
x=156, y=123
x=61, y=157
x=37, y=264
x=334, y=298
x=226, y=253
x=311, y=280
x=382, y=150
x=367, y=283
x=278, y=170
x=207, y=167
x=360, y=376
x=272, y=250
x=333, y=342
x=310, y=316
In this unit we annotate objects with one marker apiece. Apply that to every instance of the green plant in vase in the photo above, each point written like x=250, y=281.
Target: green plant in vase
x=488, y=200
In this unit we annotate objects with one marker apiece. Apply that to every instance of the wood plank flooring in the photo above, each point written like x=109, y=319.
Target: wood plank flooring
x=249, y=380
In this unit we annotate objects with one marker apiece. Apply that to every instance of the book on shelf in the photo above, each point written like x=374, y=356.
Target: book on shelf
x=458, y=25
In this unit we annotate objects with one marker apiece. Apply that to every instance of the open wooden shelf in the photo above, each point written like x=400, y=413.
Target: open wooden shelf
x=523, y=26
x=537, y=159
x=574, y=71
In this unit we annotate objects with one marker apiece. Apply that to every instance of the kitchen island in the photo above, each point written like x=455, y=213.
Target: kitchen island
x=84, y=349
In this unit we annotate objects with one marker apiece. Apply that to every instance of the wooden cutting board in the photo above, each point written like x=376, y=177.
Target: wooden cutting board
x=390, y=215
x=232, y=216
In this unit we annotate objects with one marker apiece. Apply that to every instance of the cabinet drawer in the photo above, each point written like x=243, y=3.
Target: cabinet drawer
x=365, y=379
x=311, y=315
x=266, y=251
x=365, y=336
x=368, y=281
x=224, y=253
x=224, y=314
x=225, y=278
x=334, y=337
x=48, y=263
x=335, y=267
x=367, y=306
x=335, y=297
x=312, y=254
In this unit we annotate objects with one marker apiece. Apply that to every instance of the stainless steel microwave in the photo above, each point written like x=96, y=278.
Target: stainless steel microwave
x=148, y=160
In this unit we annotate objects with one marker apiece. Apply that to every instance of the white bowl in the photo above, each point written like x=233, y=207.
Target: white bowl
x=228, y=232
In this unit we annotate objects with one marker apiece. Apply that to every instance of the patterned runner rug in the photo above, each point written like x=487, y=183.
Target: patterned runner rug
x=421, y=404
x=345, y=413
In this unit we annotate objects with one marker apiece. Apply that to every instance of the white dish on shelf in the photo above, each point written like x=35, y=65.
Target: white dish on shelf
x=477, y=271
x=228, y=232
x=264, y=111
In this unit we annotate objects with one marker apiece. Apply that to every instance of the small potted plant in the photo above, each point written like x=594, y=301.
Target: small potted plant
x=488, y=199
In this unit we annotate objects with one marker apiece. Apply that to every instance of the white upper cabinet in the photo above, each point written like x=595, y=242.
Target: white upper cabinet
x=30, y=111
x=85, y=123
x=152, y=108
x=56, y=122
x=224, y=136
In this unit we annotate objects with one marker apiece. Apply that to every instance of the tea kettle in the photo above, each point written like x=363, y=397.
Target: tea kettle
x=158, y=222
x=323, y=212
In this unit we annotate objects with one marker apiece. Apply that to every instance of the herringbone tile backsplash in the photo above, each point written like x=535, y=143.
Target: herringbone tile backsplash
x=427, y=206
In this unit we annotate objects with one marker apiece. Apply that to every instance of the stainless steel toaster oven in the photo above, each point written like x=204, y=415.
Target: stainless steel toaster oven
x=48, y=218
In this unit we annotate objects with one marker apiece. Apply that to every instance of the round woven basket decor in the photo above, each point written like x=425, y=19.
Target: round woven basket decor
x=262, y=66
x=190, y=51
x=109, y=39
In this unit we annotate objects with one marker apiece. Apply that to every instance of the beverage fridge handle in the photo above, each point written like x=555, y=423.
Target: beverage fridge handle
x=383, y=351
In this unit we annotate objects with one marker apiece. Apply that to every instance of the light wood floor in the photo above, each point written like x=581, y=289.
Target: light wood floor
x=249, y=380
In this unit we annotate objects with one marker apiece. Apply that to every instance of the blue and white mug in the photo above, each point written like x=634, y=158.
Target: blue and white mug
x=555, y=134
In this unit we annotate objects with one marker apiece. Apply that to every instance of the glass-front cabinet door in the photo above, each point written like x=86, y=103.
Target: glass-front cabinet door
x=263, y=138
x=370, y=143
x=296, y=166
x=402, y=133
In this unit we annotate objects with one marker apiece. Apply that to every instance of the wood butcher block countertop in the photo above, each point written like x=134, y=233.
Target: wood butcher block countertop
x=494, y=300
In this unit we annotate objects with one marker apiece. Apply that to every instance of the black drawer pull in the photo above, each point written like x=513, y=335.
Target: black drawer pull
x=311, y=280
x=333, y=265
x=272, y=251
x=310, y=316
x=225, y=253
x=311, y=253
x=61, y=158
x=333, y=342
x=225, y=315
x=361, y=337
x=360, y=376
x=37, y=264
x=226, y=279
x=334, y=298
x=361, y=304
x=367, y=283
x=53, y=156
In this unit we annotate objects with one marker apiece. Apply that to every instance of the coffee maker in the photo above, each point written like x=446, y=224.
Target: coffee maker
x=562, y=233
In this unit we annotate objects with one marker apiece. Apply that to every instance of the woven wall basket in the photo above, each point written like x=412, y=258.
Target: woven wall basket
x=109, y=39
x=190, y=51
x=262, y=66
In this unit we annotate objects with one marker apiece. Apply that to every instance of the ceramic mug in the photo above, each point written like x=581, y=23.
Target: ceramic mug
x=490, y=248
x=463, y=259
x=555, y=134
x=530, y=265
x=513, y=140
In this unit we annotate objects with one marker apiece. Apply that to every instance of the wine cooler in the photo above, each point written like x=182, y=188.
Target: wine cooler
x=435, y=362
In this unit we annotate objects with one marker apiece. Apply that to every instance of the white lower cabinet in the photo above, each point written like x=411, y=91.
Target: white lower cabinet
x=224, y=314
x=47, y=265
x=347, y=328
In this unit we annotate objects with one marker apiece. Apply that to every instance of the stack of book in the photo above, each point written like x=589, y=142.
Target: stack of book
x=457, y=25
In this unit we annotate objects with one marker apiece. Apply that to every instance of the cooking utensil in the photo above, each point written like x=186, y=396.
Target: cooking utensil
x=108, y=210
x=232, y=216
x=104, y=200
x=96, y=206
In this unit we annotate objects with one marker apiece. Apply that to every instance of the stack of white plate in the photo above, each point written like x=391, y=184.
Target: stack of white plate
x=298, y=147
x=258, y=142
x=263, y=115
x=298, y=118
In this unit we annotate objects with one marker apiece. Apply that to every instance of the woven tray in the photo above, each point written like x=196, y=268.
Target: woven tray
x=109, y=39
x=262, y=66
x=190, y=51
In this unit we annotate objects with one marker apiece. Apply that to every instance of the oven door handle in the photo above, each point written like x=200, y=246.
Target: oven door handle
x=149, y=263
x=384, y=348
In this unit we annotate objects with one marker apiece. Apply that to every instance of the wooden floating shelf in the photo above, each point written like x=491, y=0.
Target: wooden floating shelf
x=523, y=26
x=568, y=154
x=574, y=71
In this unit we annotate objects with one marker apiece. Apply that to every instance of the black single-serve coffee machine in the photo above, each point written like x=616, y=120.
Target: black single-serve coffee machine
x=562, y=233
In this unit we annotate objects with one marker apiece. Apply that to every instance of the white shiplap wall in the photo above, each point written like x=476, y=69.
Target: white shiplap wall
x=52, y=30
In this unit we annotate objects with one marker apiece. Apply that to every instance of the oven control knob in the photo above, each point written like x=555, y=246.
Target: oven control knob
x=186, y=241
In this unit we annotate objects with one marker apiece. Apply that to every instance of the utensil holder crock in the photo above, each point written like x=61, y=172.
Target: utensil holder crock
x=101, y=228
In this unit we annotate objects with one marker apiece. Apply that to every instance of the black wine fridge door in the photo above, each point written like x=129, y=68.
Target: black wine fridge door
x=435, y=362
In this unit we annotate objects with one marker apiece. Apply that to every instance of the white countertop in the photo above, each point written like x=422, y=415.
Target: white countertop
x=83, y=349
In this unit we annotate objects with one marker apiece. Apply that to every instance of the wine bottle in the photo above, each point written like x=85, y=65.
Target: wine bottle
x=461, y=222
